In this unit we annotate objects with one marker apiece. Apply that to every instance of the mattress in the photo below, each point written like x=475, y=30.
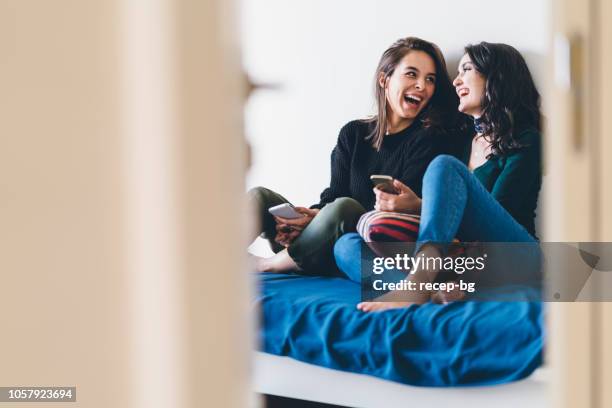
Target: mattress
x=286, y=377
x=314, y=320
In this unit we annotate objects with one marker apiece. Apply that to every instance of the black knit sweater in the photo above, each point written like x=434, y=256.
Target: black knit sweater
x=404, y=156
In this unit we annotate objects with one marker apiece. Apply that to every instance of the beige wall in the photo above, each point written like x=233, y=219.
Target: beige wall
x=605, y=201
x=62, y=298
x=121, y=145
x=578, y=202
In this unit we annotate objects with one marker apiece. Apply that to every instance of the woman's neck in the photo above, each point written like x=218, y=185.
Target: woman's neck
x=396, y=124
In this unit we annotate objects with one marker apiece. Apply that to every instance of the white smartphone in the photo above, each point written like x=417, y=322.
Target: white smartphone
x=285, y=210
x=383, y=183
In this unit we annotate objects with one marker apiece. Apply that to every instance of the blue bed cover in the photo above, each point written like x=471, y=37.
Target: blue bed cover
x=314, y=319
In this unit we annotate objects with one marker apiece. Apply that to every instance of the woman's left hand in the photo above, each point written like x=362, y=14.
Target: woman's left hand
x=287, y=230
x=405, y=201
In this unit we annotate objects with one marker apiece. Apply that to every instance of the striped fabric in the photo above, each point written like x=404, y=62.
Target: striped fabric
x=384, y=226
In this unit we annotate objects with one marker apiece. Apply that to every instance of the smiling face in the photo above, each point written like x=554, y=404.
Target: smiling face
x=470, y=86
x=409, y=88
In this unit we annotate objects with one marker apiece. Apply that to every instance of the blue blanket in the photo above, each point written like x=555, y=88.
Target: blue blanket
x=313, y=319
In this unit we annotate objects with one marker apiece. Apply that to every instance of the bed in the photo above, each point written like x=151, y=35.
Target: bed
x=310, y=335
x=276, y=375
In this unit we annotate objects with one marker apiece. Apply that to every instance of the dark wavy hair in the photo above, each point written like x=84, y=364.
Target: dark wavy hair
x=511, y=102
x=441, y=111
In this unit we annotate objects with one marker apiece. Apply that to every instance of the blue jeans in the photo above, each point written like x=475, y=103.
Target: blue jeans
x=455, y=204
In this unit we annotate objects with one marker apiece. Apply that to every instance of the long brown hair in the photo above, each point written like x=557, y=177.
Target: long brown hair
x=511, y=101
x=441, y=112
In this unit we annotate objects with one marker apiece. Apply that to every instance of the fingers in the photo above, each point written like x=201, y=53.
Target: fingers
x=281, y=239
x=382, y=194
x=287, y=229
x=286, y=238
x=282, y=228
x=385, y=204
x=281, y=220
x=382, y=206
x=401, y=186
x=292, y=237
x=306, y=211
x=295, y=222
x=384, y=201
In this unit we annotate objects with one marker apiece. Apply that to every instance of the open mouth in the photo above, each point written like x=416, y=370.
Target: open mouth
x=413, y=100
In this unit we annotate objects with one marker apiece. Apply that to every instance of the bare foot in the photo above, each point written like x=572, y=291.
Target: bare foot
x=253, y=262
x=395, y=299
x=404, y=298
x=379, y=306
x=440, y=297
x=446, y=297
x=278, y=263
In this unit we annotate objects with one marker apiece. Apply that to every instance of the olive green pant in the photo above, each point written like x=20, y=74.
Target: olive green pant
x=313, y=249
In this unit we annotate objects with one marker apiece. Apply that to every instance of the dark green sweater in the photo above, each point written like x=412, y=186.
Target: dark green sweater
x=514, y=179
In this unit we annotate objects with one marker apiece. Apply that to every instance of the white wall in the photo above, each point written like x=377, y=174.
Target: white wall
x=323, y=54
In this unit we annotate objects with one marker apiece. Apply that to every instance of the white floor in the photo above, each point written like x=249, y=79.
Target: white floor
x=286, y=377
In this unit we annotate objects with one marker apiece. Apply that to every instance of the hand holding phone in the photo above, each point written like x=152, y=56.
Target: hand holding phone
x=290, y=221
x=285, y=210
x=383, y=183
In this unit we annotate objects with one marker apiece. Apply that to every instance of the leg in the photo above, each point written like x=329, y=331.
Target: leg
x=347, y=252
x=313, y=249
x=261, y=199
x=456, y=204
x=400, y=298
x=465, y=209
x=279, y=262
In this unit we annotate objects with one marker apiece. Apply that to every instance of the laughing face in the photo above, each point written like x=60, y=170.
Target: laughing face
x=409, y=88
x=470, y=86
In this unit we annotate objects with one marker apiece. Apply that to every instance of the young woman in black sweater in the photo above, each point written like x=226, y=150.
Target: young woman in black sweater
x=415, y=122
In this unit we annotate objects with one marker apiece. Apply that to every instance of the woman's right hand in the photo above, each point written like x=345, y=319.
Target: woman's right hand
x=287, y=230
x=405, y=200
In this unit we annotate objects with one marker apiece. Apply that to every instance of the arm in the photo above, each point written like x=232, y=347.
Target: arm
x=410, y=183
x=340, y=169
x=521, y=172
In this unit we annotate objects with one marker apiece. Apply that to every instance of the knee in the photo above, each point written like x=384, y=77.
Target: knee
x=344, y=206
x=346, y=245
x=344, y=211
x=347, y=249
x=443, y=163
x=258, y=193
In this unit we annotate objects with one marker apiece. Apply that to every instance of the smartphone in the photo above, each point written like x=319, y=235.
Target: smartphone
x=383, y=183
x=285, y=210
